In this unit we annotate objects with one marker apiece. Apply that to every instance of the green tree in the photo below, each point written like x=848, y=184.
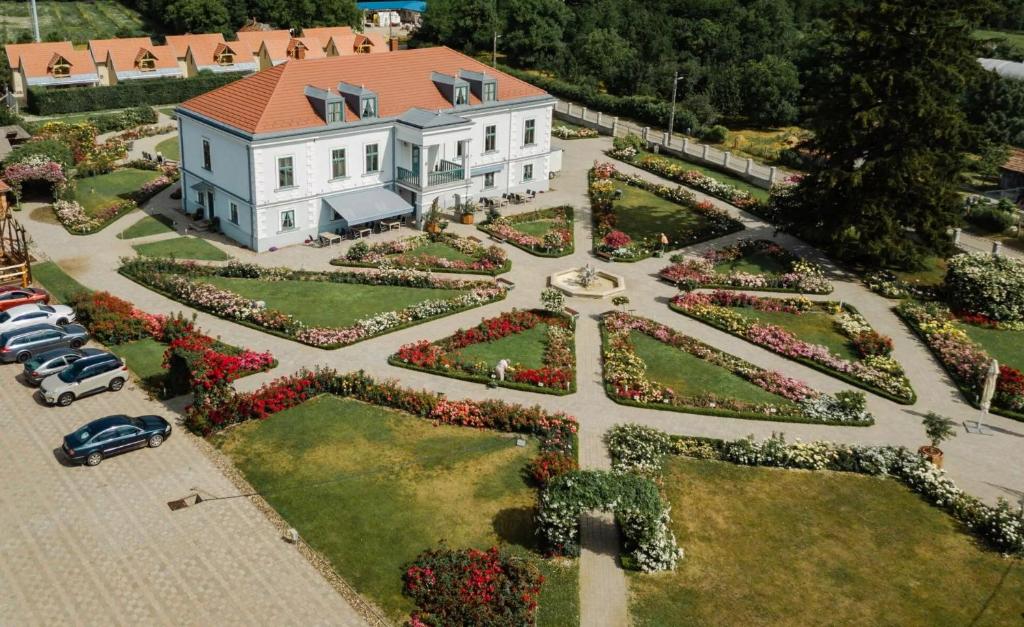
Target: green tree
x=197, y=16
x=771, y=91
x=890, y=127
x=464, y=25
x=532, y=31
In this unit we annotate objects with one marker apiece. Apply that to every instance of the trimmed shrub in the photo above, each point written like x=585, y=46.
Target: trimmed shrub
x=716, y=134
x=991, y=218
x=51, y=149
x=157, y=91
x=986, y=284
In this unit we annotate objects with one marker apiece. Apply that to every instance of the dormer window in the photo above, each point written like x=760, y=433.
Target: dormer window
x=490, y=93
x=335, y=112
x=146, y=62
x=369, y=108
x=461, y=95
x=60, y=67
x=226, y=58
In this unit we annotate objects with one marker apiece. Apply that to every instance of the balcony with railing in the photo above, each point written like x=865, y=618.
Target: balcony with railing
x=447, y=173
x=408, y=177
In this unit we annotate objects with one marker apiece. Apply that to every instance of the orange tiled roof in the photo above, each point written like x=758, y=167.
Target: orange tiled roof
x=36, y=58
x=274, y=99
x=257, y=38
x=205, y=52
x=345, y=39
x=1015, y=162
x=180, y=43
x=125, y=53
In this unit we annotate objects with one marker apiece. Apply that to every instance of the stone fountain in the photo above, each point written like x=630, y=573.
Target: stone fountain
x=588, y=282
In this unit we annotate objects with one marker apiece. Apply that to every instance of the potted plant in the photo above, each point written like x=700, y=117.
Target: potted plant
x=938, y=428
x=433, y=221
x=466, y=212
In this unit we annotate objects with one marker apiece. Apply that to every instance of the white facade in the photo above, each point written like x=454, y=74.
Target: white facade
x=260, y=205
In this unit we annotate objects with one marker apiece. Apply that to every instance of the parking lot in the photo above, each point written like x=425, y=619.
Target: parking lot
x=96, y=545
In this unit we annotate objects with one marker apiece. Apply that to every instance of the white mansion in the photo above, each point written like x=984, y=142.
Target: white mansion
x=326, y=144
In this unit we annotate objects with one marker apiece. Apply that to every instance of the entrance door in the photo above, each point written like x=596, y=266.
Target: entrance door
x=209, y=203
x=416, y=160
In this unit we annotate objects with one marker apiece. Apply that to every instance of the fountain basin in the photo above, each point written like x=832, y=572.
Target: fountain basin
x=605, y=283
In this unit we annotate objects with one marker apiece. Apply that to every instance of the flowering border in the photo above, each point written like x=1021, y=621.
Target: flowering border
x=602, y=204
x=485, y=259
x=74, y=219
x=505, y=229
x=178, y=280
x=565, y=132
x=1000, y=526
x=877, y=372
x=626, y=381
x=803, y=276
x=964, y=360
x=557, y=376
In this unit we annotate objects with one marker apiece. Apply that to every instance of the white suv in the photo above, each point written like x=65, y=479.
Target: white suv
x=88, y=375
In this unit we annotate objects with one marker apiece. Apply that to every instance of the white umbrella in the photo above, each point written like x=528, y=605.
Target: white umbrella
x=988, y=390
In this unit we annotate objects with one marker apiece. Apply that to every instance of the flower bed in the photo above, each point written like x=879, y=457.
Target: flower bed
x=964, y=360
x=581, y=132
x=717, y=222
x=79, y=222
x=556, y=376
x=192, y=358
x=1000, y=525
x=182, y=281
x=626, y=381
x=557, y=242
x=402, y=253
x=690, y=178
x=877, y=371
x=887, y=283
x=802, y=275
x=990, y=285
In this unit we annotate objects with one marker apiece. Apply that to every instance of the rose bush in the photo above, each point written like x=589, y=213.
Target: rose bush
x=991, y=285
x=402, y=254
x=802, y=276
x=556, y=242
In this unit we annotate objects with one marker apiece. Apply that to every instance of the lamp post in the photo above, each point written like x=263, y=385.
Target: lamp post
x=672, y=116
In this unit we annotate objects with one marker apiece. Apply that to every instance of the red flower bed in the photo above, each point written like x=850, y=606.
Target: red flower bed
x=550, y=464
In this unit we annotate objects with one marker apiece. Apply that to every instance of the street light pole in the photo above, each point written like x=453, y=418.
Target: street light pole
x=672, y=116
x=494, y=50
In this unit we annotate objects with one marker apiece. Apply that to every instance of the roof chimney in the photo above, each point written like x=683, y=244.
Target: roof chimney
x=393, y=44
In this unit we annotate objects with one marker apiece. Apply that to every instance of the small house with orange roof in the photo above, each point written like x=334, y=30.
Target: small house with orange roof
x=276, y=52
x=49, y=64
x=340, y=144
x=132, y=58
x=209, y=52
x=1011, y=173
x=256, y=38
x=342, y=41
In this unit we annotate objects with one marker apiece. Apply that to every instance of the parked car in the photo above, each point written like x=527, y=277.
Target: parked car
x=89, y=375
x=52, y=362
x=22, y=344
x=114, y=435
x=14, y=296
x=25, y=315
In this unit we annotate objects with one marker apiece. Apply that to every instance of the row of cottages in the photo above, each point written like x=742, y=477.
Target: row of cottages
x=110, y=61
x=328, y=144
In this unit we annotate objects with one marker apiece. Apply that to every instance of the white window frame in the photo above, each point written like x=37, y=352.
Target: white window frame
x=461, y=95
x=335, y=112
x=493, y=137
x=371, y=103
x=344, y=164
x=233, y=212
x=490, y=92
x=527, y=177
x=366, y=158
x=489, y=180
x=291, y=168
x=280, y=221
x=530, y=130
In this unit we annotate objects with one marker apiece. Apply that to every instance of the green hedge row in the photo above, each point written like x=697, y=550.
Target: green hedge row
x=156, y=91
x=647, y=109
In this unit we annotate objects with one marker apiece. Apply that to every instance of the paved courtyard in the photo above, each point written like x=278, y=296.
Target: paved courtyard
x=226, y=561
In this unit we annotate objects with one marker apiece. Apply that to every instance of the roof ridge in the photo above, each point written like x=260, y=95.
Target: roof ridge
x=273, y=92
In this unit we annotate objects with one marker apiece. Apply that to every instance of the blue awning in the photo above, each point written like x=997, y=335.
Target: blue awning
x=367, y=205
x=419, y=6
x=480, y=170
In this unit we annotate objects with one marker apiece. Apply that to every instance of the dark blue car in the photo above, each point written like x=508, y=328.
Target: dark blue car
x=114, y=435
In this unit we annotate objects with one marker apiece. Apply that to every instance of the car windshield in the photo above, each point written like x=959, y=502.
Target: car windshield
x=47, y=308
x=82, y=435
x=34, y=363
x=137, y=423
x=69, y=374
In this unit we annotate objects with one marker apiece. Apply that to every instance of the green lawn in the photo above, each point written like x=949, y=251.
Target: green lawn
x=150, y=225
x=145, y=359
x=755, y=191
x=1005, y=346
x=526, y=348
x=768, y=546
x=645, y=216
x=931, y=272
x=170, y=148
x=536, y=228
x=815, y=326
x=437, y=249
x=371, y=488
x=690, y=376
x=1014, y=39
x=99, y=192
x=58, y=283
x=330, y=304
x=182, y=248
x=754, y=263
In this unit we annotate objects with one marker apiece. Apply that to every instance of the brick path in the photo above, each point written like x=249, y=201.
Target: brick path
x=983, y=465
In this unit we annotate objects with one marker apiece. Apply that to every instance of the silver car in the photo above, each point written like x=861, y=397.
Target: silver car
x=23, y=344
x=27, y=315
x=52, y=362
x=88, y=375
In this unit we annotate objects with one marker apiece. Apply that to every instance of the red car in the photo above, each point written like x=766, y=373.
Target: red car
x=14, y=296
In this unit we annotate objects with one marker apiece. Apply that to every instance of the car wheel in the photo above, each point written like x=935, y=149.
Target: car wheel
x=65, y=399
x=156, y=441
x=116, y=384
x=76, y=343
x=23, y=357
x=62, y=321
x=94, y=459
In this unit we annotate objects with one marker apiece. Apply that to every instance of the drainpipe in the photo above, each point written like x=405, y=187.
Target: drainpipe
x=252, y=199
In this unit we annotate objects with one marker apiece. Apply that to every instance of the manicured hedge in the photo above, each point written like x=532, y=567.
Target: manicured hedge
x=156, y=91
